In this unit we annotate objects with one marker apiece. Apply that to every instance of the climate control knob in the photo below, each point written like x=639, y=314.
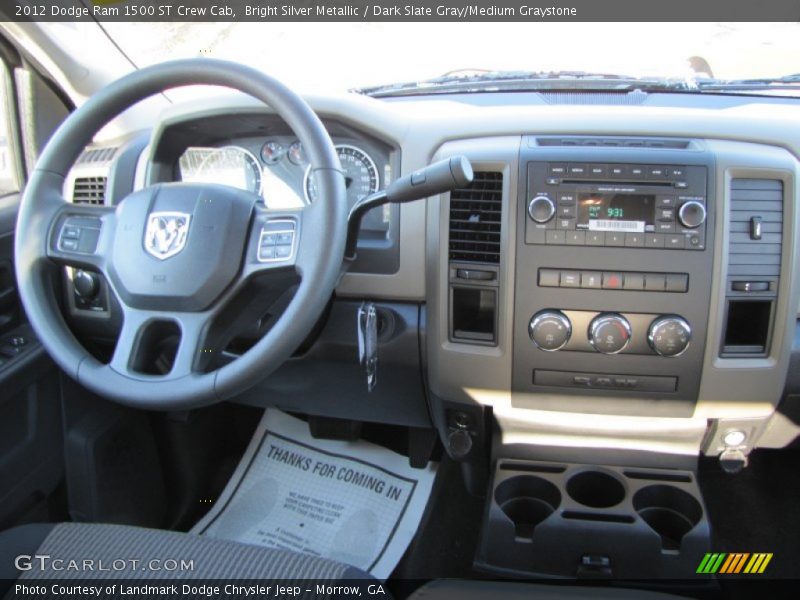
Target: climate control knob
x=692, y=214
x=550, y=330
x=541, y=209
x=669, y=336
x=609, y=333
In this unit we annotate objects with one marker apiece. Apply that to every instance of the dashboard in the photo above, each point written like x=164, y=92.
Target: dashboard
x=618, y=277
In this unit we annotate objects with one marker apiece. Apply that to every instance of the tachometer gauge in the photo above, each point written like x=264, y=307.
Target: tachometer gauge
x=297, y=155
x=230, y=165
x=360, y=173
x=272, y=152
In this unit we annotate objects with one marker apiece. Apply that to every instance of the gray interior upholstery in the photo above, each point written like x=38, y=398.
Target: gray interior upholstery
x=499, y=590
x=211, y=558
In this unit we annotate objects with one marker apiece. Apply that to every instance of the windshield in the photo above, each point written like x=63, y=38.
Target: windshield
x=325, y=57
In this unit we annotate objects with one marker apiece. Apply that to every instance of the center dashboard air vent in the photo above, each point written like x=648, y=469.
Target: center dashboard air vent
x=89, y=190
x=475, y=218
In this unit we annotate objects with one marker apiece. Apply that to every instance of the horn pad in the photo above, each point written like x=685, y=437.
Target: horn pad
x=178, y=246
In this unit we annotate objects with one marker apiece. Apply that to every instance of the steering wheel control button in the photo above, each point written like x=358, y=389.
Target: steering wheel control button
x=692, y=214
x=609, y=333
x=669, y=336
x=79, y=234
x=541, y=209
x=276, y=242
x=550, y=330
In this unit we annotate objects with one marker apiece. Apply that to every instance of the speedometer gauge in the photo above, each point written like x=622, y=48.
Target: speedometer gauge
x=230, y=165
x=360, y=172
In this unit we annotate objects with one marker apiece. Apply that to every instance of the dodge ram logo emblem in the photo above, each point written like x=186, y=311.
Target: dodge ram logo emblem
x=166, y=233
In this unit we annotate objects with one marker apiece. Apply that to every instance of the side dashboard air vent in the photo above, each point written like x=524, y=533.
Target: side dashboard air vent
x=89, y=190
x=756, y=228
x=475, y=217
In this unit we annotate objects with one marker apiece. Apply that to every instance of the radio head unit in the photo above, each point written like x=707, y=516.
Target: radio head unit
x=646, y=206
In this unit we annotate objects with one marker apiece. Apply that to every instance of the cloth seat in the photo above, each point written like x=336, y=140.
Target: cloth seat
x=151, y=548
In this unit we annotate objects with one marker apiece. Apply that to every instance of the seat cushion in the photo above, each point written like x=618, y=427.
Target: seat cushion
x=112, y=550
x=445, y=589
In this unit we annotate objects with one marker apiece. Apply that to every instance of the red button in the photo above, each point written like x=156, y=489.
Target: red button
x=612, y=281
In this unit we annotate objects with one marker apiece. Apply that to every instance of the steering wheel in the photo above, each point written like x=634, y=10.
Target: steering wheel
x=175, y=255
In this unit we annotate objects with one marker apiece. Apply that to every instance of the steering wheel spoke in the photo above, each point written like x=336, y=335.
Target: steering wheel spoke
x=80, y=235
x=160, y=346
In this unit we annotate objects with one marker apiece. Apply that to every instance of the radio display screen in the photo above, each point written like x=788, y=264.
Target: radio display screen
x=601, y=211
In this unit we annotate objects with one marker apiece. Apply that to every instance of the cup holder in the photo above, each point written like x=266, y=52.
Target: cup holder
x=595, y=489
x=527, y=501
x=669, y=511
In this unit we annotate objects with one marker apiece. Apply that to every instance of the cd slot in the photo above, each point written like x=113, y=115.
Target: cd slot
x=615, y=182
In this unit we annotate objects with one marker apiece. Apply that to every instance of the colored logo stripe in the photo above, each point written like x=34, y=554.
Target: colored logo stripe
x=733, y=563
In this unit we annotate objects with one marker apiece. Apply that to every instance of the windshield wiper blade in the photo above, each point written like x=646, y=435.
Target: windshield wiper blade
x=479, y=81
x=782, y=82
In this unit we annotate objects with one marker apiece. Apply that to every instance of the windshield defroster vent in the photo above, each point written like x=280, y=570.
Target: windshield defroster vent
x=89, y=190
x=475, y=216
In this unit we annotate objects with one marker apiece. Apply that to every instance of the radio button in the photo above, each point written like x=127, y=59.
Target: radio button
x=577, y=169
x=615, y=239
x=612, y=281
x=566, y=212
x=591, y=280
x=595, y=238
x=677, y=172
x=570, y=279
x=566, y=200
x=654, y=240
x=634, y=281
x=552, y=181
x=541, y=209
x=681, y=185
x=558, y=169
x=576, y=238
x=598, y=170
x=554, y=236
x=666, y=214
x=567, y=223
x=616, y=171
x=634, y=240
x=665, y=227
x=657, y=172
x=637, y=171
x=665, y=202
x=675, y=242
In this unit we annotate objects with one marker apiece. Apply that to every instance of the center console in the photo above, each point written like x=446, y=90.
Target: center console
x=612, y=290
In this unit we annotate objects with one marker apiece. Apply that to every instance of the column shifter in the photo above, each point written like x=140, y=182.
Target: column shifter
x=440, y=177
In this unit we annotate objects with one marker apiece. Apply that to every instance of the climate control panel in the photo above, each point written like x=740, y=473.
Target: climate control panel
x=552, y=330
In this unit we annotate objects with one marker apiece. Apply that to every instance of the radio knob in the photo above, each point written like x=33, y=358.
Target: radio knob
x=550, y=330
x=692, y=214
x=669, y=336
x=609, y=333
x=541, y=209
